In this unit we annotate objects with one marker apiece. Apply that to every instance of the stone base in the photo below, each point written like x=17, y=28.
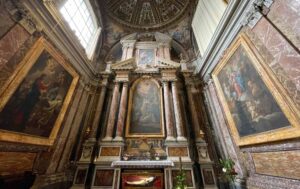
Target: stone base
x=208, y=175
x=170, y=139
x=118, y=139
x=107, y=139
x=181, y=139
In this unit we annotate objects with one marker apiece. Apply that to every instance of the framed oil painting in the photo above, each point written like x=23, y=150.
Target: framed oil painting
x=145, y=115
x=146, y=57
x=257, y=107
x=35, y=98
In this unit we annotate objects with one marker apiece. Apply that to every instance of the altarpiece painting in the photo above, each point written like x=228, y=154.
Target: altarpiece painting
x=257, y=107
x=146, y=57
x=34, y=100
x=145, y=109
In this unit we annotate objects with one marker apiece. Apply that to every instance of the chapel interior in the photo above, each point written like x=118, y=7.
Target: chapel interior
x=149, y=94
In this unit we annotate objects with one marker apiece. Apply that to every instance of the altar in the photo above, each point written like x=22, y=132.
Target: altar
x=146, y=136
x=143, y=164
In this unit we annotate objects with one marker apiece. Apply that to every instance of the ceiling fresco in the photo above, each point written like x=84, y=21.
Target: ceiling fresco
x=146, y=14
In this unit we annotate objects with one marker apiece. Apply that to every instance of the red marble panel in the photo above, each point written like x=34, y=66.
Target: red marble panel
x=110, y=151
x=5, y=22
x=283, y=164
x=178, y=151
x=285, y=59
x=13, y=163
x=11, y=42
x=286, y=16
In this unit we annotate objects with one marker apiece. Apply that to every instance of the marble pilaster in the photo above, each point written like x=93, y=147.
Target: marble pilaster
x=177, y=113
x=122, y=113
x=130, y=51
x=80, y=99
x=98, y=110
x=112, y=115
x=195, y=121
x=167, y=52
x=168, y=114
x=161, y=50
x=75, y=125
x=124, y=54
x=128, y=47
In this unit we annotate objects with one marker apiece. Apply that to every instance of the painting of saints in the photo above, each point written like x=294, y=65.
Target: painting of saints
x=251, y=104
x=146, y=113
x=36, y=103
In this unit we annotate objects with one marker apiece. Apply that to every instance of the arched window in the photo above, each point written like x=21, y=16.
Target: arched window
x=81, y=19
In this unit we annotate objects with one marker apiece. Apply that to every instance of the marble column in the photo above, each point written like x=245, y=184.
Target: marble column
x=168, y=114
x=195, y=121
x=98, y=112
x=122, y=113
x=177, y=113
x=112, y=114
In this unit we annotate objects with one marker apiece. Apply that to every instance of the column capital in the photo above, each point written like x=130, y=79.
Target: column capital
x=189, y=84
x=104, y=82
x=165, y=83
x=174, y=82
x=125, y=83
x=117, y=82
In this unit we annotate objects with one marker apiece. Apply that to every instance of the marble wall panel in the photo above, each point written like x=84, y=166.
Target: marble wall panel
x=11, y=42
x=10, y=61
x=282, y=58
x=14, y=163
x=286, y=16
x=5, y=21
x=282, y=164
x=178, y=151
x=110, y=151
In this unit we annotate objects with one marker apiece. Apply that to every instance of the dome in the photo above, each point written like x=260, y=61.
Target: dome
x=146, y=14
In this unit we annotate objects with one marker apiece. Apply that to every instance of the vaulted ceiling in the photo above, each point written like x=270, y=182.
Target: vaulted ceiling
x=146, y=14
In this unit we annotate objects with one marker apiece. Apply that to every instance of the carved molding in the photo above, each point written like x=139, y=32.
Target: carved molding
x=129, y=64
x=255, y=12
x=167, y=64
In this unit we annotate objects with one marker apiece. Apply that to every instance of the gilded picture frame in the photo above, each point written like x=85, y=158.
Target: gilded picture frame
x=36, y=63
x=129, y=124
x=256, y=106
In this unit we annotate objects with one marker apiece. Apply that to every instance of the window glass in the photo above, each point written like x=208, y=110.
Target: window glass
x=77, y=14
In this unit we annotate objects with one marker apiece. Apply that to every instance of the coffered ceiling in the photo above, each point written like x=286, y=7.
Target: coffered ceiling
x=147, y=15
